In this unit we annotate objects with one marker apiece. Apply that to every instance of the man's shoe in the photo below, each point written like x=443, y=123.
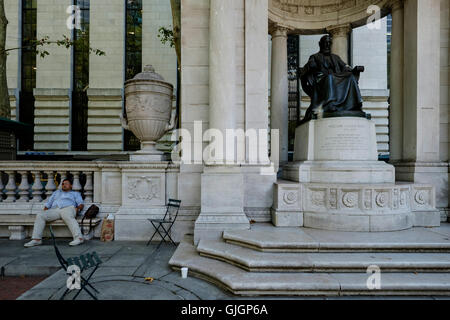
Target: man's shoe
x=33, y=243
x=76, y=242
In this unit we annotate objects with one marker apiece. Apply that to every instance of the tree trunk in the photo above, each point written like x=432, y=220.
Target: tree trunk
x=176, y=17
x=5, y=107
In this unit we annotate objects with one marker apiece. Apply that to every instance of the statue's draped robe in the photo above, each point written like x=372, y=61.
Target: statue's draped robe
x=330, y=84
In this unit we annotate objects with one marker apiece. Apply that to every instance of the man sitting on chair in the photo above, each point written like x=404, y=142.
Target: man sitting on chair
x=63, y=204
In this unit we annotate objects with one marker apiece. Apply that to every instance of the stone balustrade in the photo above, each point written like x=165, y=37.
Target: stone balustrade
x=36, y=181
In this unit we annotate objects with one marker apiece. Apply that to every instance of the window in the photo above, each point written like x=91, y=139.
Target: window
x=133, y=57
x=80, y=79
x=28, y=70
x=389, y=38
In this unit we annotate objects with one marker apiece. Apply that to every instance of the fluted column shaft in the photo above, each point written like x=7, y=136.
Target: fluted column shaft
x=279, y=91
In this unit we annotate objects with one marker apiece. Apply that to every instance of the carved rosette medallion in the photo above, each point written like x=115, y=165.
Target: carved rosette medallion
x=381, y=199
x=143, y=188
x=421, y=197
x=290, y=197
x=350, y=199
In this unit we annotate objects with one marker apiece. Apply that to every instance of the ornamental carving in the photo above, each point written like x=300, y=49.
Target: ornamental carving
x=350, y=199
x=318, y=198
x=143, y=188
x=368, y=199
x=403, y=198
x=290, y=197
x=333, y=198
x=421, y=197
x=381, y=199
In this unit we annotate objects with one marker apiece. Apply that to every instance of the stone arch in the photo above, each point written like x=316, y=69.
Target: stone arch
x=314, y=17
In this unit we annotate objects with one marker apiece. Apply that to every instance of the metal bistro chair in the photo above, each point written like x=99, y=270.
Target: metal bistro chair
x=169, y=219
x=84, y=262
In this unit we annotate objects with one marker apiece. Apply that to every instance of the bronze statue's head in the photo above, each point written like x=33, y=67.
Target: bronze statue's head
x=325, y=44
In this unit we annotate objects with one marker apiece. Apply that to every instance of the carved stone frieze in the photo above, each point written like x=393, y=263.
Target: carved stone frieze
x=143, y=188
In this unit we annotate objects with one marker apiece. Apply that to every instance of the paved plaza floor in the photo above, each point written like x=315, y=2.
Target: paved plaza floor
x=120, y=277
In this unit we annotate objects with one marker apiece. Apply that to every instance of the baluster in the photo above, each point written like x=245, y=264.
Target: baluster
x=88, y=188
x=63, y=176
x=50, y=186
x=1, y=186
x=24, y=187
x=11, y=187
x=76, y=186
x=37, y=187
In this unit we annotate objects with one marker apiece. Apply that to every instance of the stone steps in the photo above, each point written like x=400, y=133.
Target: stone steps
x=266, y=238
x=241, y=282
x=257, y=261
x=271, y=261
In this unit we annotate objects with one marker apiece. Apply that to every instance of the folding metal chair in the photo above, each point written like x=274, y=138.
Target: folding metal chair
x=84, y=262
x=169, y=219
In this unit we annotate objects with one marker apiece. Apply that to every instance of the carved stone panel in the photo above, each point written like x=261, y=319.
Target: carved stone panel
x=143, y=189
x=422, y=198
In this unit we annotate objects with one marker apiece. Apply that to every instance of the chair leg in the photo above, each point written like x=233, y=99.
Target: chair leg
x=156, y=230
x=167, y=234
x=64, y=294
x=89, y=278
x=83, y=287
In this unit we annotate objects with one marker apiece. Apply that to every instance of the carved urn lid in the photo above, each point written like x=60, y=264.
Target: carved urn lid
x=148, y=74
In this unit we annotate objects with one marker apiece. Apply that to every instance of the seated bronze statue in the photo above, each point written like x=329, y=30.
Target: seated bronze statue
x=331, y=84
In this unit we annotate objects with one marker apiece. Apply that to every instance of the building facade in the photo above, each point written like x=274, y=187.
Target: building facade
x=234, y=75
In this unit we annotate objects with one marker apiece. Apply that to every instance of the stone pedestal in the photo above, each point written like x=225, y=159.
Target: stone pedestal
x=341, y=185
x=222, y=201
x=337, y=150
x=145, y=191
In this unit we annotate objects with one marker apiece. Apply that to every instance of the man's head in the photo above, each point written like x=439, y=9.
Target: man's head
x=66, y=185
x=325, y=44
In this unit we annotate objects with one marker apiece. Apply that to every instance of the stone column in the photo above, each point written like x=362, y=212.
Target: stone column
x=222, y=186
x=396, y=81
x=421, y=161
x=279, y=113
x=222, y=67
x=340, y=40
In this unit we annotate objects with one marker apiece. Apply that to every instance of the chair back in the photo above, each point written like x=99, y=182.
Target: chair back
x=172, y=209
x=61, y=259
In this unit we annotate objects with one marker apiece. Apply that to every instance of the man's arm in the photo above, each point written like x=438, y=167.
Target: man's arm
x=79, y=205
x=50, y=201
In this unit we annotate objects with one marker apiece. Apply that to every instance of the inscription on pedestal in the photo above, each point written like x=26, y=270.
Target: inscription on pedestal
x=343, y=140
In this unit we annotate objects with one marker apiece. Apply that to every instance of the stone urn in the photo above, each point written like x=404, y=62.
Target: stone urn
x=149, y=108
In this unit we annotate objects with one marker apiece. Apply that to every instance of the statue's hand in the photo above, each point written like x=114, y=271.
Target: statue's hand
x=358, y=69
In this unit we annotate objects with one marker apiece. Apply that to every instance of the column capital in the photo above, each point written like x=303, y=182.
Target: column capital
x=341, y=30
x=396, y=5
x=277, y=30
